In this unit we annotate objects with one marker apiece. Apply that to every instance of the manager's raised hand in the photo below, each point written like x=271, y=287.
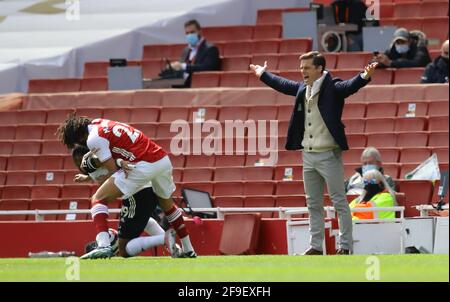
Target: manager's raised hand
x=369, y=70
x=258, y=69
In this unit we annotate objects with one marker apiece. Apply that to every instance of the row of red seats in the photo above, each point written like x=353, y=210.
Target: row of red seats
x=288, y=167
x=353, y=123
x=220, y=96
x=414, y=8
x=235, y=45
x=379, y=139
x=55, y=163
x=212, y=79
x=28, y=119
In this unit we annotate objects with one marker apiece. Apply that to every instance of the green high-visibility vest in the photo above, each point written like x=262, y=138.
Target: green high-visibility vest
x=381, y=200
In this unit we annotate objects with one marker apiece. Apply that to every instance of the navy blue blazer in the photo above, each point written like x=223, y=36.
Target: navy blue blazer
x=331, y=103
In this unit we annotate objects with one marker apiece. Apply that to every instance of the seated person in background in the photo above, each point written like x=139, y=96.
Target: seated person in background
x=376, y=193
x=371, y=160
x=404, y=52
x=437, y=71
x=199, y=55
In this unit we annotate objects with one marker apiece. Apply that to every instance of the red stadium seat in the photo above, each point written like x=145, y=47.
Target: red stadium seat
x=409, y=93
x=95, y=69
x=197, y=174
x=206, y=79
x=410, y=124
x=262, y=113
x=228, y=189
x=289, y=158
x=163, y=131
x=354, y=111
x=144, y=115
x=228, y=174
x=436, y=30
x=14, y=205
x=442, y=154
x=2, y=178
x=417, y=192
x=91, y=113
x=238, y=63
x=260, y=201
x=230, y=160
x=378, y=93
x=79, y=204
x=412, y=108
x=3, y=162
x=287, y=62
x=295, y=45
x=414, y=155
x=284, y=113
x=269, y=16
x=26, y=147
x=94, y=84
x=6, y=147
x=294, y=187
x=267, y=31
x=254, y=188
x=412, y=139
x=257, y=173
x=233, y=113
x=53, y=85
x=169, y=115
x=434, y=8
x=69, y=176
x=290, y=202
x=271, y=58
x=76, y=191
x=356, y=140
x=49, y=132
x=177, y=161
x=25, y=132
x=408, y=75
x=386, y=10
x=228, y=33
x=436, y=92
x=234, y=79
x=378, y=140
x=238, y=48
x=154, y=52
x=50, y=178
x=381, y=110
x=353, y=60
x=389, y=155
x=210, y=113
x=15, y=178
x=438, y=108
x=438, y=139
x=354, y=125
x=49, y=162
x=229, y=202
x=284, y=172
x=16, y=192
x=266, y=46
x=117, y=114
x=53, y=147
x=331, y=60
x=44, y=204
x=438, y=123
x=149, y=129
x=7, y=132
x=146, y=98
x=21, y=163
x=44, y=191
x=377, y=125
x=57, y=116
x=383, y=77
x=411, y=9
x=30, y=116
x=199, y=161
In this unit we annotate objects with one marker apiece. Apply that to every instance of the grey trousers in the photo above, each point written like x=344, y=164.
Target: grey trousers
x=320, y=168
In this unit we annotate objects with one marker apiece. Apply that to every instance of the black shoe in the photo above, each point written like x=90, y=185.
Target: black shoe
x=312, y=252
x=190, y=254
x=342, y=252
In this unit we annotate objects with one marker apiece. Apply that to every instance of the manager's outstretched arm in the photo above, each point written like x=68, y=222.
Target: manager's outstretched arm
x=351, y=86
x=278, y=83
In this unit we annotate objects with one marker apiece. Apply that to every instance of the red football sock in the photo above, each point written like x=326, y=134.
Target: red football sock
x=175, y=218
x=99, y=213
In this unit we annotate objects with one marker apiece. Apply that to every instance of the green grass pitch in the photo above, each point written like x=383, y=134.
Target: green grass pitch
x=232, y=268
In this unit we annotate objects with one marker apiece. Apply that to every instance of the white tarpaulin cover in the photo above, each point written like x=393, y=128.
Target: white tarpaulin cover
x=50, y=39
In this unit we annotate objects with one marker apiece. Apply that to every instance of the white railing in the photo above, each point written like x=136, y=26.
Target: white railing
x=424, y=209
x=283, y=212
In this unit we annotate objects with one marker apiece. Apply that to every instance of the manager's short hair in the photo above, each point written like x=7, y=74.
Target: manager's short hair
x=192, y=22
x=317, y=58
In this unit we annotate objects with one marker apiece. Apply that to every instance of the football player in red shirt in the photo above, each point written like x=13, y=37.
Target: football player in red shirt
x=132, y=160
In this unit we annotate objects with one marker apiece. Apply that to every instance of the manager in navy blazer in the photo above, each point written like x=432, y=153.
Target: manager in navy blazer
x=316, y=128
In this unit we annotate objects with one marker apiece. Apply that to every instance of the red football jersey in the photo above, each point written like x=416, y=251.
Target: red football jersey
x=125, y=142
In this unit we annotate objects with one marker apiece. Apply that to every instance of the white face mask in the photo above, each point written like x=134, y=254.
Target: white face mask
x=401, y=49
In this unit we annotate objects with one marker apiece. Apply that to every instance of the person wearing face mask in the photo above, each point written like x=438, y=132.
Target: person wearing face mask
x=199, y=55
x=403, y=52
x=316, y=128
x=370, y=160
x=376, y=193
x=437, y=71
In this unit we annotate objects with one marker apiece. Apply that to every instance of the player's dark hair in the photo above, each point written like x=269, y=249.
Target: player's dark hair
x=73, y=130
x=317, y=58
x=192, y=22
x=79, y=151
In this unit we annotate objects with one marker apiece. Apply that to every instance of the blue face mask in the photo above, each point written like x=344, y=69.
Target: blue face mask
x=192, y=39
x=401, y=49
x=366, y=168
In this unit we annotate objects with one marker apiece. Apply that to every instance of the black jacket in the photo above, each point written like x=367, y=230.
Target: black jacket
x=436, y=72
x=207, y=58
x=417, y=56
x=331, y=104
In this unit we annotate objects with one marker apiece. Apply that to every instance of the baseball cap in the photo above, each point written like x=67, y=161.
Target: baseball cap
x=401, y=34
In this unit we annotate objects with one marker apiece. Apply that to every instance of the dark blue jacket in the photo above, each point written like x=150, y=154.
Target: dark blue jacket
x=331, y=103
